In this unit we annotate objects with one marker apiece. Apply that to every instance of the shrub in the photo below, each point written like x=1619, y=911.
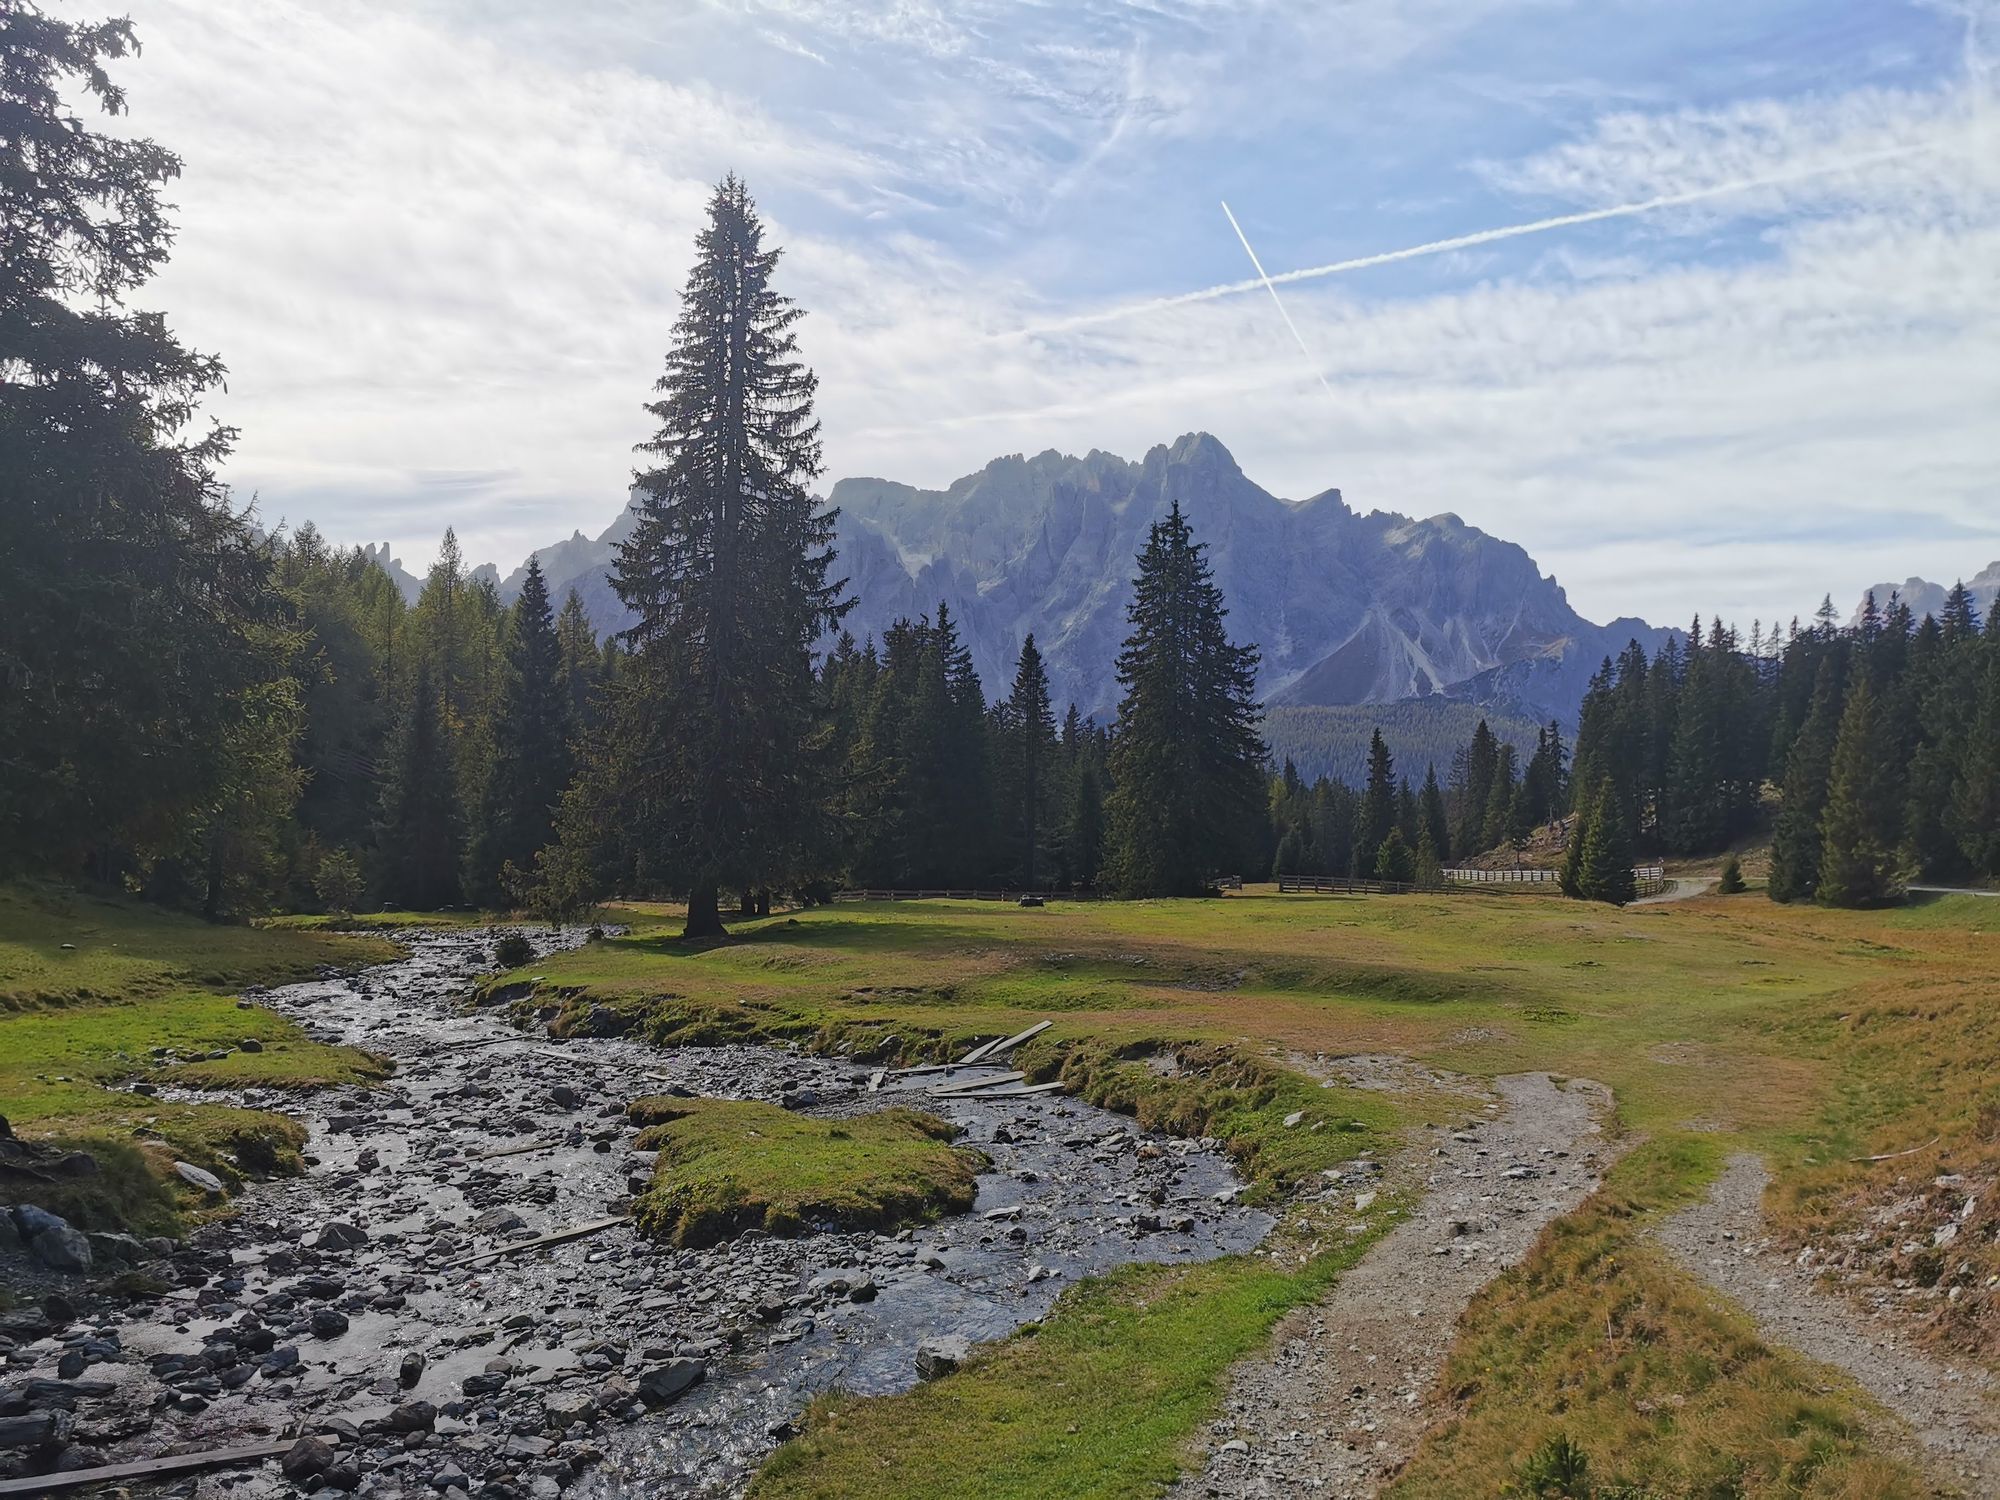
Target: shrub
x=337, y=882
x=513, y=950
x=1732, y=876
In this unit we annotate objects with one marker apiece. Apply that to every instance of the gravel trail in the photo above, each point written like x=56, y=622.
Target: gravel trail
x=1952, y=1411
x=1338, y=1405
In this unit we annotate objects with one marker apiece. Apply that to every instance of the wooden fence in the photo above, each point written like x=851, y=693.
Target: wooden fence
x=1649, y=879
x=959, y=893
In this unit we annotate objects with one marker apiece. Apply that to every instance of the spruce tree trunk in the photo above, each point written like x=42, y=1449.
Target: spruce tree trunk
x=704, y=918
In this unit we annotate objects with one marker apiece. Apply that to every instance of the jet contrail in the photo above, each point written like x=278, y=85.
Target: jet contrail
x=1258, y=265
x=1479, y=237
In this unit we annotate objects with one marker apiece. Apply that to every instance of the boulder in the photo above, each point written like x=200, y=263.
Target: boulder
x=940, y=1356
x=666, y=1383
x=198, y=1177
x=307, y=1457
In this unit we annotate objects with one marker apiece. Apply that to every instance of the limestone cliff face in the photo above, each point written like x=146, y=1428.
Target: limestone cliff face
x=1347, y=608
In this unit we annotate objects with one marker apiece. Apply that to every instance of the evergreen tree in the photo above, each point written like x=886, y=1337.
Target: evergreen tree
x=1395, y=860
x=1186, y=784
x=582, y=670
x=1427, y=868
x=1435, y=822
x=1605, y=872
x=1031, y=761
x=1083, y=839
x=1589, y=808
x=418, y=834
x=1973, y=814
x=139, y=614
x=719, y=779
x=1378, y=802
x=1482, y=758
x=1795, y=846
x=531, y=763
x=1859, y=863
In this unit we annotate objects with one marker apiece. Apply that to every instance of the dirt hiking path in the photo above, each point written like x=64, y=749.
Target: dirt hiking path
x=1338, y=1404
x=1953, y=1411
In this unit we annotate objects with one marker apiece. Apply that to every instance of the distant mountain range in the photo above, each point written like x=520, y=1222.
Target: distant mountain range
x=1927, y=598
x=1347, y=608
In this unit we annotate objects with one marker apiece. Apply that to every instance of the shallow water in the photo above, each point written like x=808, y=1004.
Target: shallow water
x=1073, y=1190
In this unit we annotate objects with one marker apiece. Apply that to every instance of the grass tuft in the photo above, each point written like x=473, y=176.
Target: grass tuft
x=726, y=1166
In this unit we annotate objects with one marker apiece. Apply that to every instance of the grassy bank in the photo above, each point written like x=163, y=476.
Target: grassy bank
x=1599, y=1340
x=98, y=994
x=1098, y=1401
x=1813, y=1036
x=727, y=1165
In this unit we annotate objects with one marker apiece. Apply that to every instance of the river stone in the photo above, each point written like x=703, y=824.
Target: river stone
x=414, y=1416
x=328, y=1322
x=62, y=1247
x=410, y=1371
x=198, y=1177
x=940, y=1356
x=665, y=1383
x=307, y=1457
x=339, y=1236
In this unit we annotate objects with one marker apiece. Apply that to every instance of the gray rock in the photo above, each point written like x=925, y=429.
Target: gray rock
x=307, y=1457
x=328, y=1323
x=664, y=1384
x=413, y=1416
x=197, y=1177
x=339, y=1236
x=62, y=1247
x=940, y=1356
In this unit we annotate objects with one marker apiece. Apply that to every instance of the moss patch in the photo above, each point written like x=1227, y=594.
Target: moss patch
x=726, y=1166
x=133, y=1000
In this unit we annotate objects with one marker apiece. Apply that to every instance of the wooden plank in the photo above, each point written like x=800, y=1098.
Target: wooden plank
x=1010, y=1093
x=926, y=1068
x=1002, y=1048
x=978, y=1052
x=514, y=1150
x=558, y=1237
x=149, y=1468
x=973, y=1086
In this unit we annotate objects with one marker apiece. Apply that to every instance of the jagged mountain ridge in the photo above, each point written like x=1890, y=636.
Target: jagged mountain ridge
x=1927, y=598
x=1347, y=608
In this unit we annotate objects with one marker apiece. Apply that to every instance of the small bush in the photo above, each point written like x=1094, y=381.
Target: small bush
x=1557, y=1470
x=337, y=882
x=1732, y=876
x=513, y=950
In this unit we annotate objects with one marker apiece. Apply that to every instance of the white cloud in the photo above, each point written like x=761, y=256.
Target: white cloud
x=444, y=243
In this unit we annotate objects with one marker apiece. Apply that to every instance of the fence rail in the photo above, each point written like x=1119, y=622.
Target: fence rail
x=1649, y=879
x=1329, y=885
x=957, y=893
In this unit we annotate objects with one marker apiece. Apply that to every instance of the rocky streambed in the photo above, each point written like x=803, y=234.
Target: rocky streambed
x=344, y=1305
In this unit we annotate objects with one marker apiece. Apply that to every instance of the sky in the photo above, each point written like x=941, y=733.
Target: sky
x=439, y=245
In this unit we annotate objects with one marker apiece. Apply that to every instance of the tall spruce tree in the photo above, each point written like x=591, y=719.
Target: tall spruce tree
x=1795, y=843
x=531, y=750
x=1187, y=788
x=419, y=830
x=1482, y=757
x=137, y=615
x=1378, y=805
x=1030, y=749
x=1606, y=866
x=719, y=780
x=1435, y=823
x=1859, y=862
